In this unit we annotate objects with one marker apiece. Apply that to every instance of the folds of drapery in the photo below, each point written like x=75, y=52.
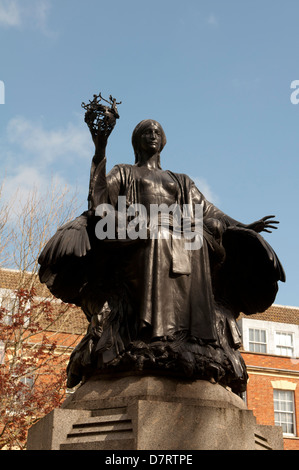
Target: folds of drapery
x=247, y=279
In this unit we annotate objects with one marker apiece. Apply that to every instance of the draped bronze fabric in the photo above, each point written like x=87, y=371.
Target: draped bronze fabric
x=154, y=289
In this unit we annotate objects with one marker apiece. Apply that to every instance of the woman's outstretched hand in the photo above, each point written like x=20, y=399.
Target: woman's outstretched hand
x=264, y=224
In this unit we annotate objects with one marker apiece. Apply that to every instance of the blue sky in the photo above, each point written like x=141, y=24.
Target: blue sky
x=216, y=74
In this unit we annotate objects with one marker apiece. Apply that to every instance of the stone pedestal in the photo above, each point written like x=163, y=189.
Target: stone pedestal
x=152, y=413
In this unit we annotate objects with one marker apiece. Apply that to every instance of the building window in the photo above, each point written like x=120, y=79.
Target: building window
x=17, y=400
x=257, y=340
x=284, y=343
x=9, y=303
x=244, y=397
x=2, y=353
x=28, y=381
x=284, y=411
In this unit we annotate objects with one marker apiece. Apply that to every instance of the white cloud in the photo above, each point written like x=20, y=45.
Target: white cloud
x=206, y=190
x=26, y=178
x=42, y=9
x=34, y=156
x=10, y=13
x=48, y=145
x=23, y=14
x=212, y=20
x=41, y=14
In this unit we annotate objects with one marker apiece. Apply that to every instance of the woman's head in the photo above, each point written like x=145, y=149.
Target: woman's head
x=140, y=129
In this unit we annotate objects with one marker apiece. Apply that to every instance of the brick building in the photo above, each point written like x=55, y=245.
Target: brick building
x=270, y=350
x=74, y=323
x=271, y=353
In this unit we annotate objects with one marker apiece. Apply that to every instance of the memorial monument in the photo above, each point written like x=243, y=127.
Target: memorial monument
x=161, y=275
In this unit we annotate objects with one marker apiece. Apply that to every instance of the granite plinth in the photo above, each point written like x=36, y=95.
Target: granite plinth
x=135, y=412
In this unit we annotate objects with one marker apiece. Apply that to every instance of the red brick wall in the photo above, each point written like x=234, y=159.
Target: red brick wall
x=268, y=360
x=260, y=389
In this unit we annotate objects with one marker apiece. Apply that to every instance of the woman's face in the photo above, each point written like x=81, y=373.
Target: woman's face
x=151, y=139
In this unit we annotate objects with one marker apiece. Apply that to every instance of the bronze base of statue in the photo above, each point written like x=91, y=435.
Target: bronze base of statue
x=183, y=359
x=179, y=355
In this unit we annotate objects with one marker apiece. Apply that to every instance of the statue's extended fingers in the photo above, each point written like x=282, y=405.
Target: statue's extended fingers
x=269, y=224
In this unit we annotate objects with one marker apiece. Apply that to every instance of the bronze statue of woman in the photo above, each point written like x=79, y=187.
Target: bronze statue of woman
x=154, y=306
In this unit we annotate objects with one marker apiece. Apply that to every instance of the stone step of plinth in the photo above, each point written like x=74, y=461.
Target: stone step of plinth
x=111, y=444
x=99, y=436
x=109, y=411
x=102, y=419
x=261, y=443
x=94, y=426
x=103, y=431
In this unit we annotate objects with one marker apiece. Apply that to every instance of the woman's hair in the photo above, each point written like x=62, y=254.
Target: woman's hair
x=139, y=129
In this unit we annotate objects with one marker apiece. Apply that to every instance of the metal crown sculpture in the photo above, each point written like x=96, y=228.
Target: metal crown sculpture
x=99, y=117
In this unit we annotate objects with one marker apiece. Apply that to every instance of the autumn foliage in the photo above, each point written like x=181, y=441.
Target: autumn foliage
x=34, y=348
x=32, y=373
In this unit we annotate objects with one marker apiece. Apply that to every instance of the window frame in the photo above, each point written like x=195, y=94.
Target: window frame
x=259, y=344
x=2, y=353
x=292, y=348
x=8, y=296
x=285, y=412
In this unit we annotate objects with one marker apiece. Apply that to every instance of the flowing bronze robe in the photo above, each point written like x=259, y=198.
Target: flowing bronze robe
x=153, y=288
